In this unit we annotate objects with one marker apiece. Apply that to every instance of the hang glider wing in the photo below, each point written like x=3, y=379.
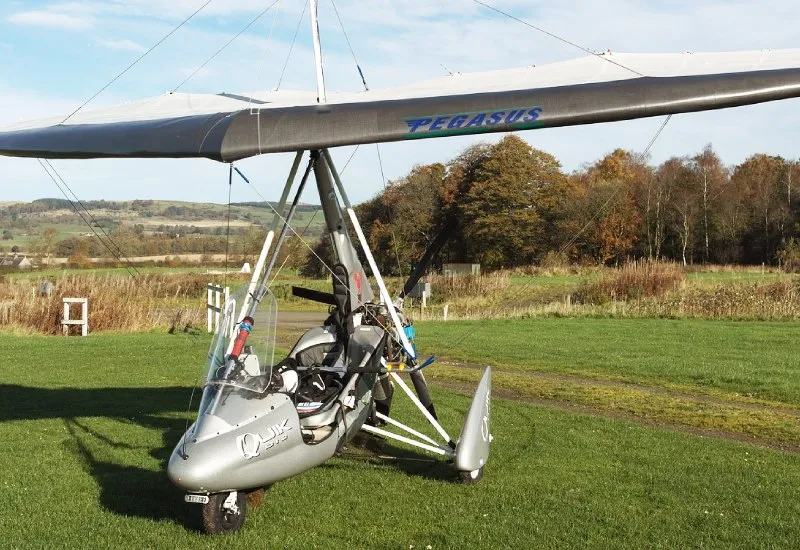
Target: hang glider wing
x=602, y=88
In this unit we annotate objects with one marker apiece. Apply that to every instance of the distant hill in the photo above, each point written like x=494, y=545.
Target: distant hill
x=23, y=224
x=301, y=207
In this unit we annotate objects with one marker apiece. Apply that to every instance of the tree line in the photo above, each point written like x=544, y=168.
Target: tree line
x=509, y=204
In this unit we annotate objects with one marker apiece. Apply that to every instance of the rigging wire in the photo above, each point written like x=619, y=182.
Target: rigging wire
x=129, y=67
x=289, y=55
x=83, y=217
x=119, y=255
x=552, y=35
x=377, y=146
x=639, y=157
x=347, y=39
x=524, y=286
x=348, y=160
x=389, y=211
x=228, y=43
x=262, y=64
x=303, y=234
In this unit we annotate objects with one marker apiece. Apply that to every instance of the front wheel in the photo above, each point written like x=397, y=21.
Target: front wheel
x=224, y=512
x=470, y=478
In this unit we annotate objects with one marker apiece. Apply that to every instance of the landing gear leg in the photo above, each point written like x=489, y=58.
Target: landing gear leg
x=224, y=512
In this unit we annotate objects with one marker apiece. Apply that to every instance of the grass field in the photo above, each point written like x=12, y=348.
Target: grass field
x=88, y=424
x=739, y=380
x=746, y=358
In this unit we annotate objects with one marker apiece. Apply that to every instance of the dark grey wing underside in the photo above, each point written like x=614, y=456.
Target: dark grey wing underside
x=181, y=137
x=230, y=136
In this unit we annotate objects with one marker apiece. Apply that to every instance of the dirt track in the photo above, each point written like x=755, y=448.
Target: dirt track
x=294, y=323
x=467, y=389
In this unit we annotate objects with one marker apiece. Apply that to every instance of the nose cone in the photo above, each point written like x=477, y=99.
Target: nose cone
x=195, y=468
x=183, y=470
x=217, y=455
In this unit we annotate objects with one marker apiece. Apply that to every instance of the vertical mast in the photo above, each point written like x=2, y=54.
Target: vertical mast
x=317, y=51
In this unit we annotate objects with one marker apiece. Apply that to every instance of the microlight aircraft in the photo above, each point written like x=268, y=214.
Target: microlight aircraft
x=260, y=420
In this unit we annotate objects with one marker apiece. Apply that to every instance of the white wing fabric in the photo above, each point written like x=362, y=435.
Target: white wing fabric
x=601, y=88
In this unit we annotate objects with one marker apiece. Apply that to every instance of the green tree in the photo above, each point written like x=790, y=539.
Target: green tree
x=400, y=222
x=512, y=200
x=712, y=177
x=760, y=181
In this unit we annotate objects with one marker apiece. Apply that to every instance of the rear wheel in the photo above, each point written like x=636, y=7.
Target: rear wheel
x=470, y=478
x=224, y=512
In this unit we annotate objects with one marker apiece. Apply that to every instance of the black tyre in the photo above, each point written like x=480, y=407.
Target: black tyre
x=218, y=520
x=470, y=478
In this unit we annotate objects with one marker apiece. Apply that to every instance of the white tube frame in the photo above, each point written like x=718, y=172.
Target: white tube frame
x=408, y=429
x=262, y=258
x=421, y=407
x=390, y=435
x=385, y=297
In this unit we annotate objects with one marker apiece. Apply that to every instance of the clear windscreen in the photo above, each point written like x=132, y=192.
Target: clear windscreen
x=252, y=372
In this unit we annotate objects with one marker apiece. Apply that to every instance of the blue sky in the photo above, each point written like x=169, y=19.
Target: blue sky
x=57, y=54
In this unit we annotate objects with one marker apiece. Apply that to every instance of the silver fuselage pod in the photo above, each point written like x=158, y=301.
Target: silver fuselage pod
x=264, y=444
x=472, y=449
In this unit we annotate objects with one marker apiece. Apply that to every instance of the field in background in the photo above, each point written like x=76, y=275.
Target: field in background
x=635, y=290
x=96, y=418
x=175, y=297
x=48, y=231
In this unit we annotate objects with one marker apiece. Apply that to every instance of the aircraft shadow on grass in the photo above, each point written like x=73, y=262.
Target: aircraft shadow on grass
x=124, y=489
x=133, y=491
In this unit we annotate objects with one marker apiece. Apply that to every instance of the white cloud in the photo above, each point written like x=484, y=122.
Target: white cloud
x=125, y=45
x=52, y=20
x=398, y=42
x=174, y=9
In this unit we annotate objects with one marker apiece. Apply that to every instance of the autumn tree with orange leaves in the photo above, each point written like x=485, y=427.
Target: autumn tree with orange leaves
x=508, y=204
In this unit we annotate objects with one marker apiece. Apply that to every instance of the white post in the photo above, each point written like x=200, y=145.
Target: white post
x=85, y=317
x=317, y=51
x=213, y=308
x=208, y=306
x=66, y=318
x=446, y=307
x=216, y=309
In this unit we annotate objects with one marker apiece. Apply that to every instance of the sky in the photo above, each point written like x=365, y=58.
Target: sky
x=57, y=54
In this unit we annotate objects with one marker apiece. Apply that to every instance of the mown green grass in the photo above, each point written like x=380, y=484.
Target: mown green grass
x=87, y=425
x=752, y=359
